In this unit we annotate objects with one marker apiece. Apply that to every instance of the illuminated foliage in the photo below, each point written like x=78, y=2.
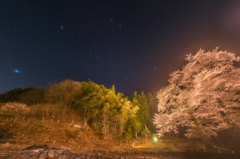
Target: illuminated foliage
x=109, y=112
x=64, y=92
x=105, y=110
x=142, y=115
x=203, y=96
x=146, y=132
x=147, y=104
x=152, y=105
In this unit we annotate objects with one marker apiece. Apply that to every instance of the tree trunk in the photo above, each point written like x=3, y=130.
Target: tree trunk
x=207, y=143
x=85, y=118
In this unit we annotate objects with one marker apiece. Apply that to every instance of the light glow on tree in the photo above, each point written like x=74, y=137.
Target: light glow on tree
x=203, y=96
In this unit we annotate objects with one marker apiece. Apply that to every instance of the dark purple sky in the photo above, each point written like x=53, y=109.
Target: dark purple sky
x=132, y=44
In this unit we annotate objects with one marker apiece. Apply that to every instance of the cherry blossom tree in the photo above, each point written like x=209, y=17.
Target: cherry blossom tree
x=204, y=96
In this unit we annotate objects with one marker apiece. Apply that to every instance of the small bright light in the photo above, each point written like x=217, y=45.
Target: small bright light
x=16, y=71
x=61, y=27
x=155, y=139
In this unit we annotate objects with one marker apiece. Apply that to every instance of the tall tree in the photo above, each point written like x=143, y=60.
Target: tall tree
x=108, y=112
x=142, y=115
x=203, y=96
x=152, y=105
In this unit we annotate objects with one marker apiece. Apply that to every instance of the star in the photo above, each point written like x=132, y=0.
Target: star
x=17, y=71
x=120, y=26
x=61, y=27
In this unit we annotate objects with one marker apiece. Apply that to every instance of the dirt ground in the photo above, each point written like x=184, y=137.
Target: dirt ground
x=18, y=133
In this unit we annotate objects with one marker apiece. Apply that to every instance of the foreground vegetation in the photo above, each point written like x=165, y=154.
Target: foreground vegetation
x=109, y=113
x=201, y=100
x=57, y=125
x=198, y=114
x=21, y=130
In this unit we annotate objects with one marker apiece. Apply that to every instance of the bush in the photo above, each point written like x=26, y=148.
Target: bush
x=15, y=107
x=54, y=112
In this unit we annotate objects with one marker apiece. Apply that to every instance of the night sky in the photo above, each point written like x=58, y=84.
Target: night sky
x=132, y=44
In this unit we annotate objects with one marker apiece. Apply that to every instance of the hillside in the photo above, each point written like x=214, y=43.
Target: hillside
x=87, y=120
x=21, y=130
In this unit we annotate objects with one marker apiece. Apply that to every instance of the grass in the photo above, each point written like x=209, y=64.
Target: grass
x=181, y=145
x=72, y=133
x=23, y=129
x=42, y=124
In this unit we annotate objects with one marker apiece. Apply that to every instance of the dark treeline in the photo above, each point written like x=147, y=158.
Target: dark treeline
x=108, y=112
